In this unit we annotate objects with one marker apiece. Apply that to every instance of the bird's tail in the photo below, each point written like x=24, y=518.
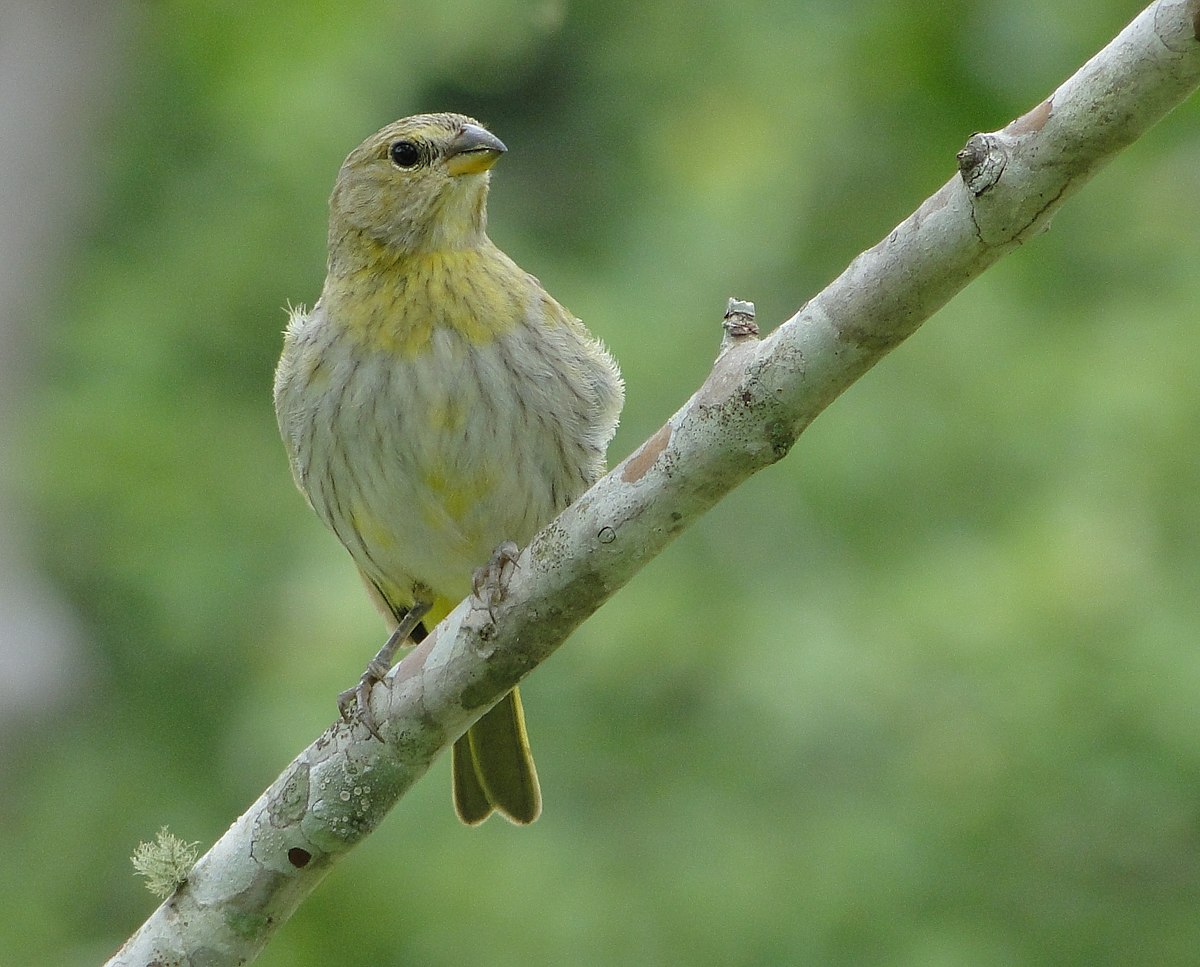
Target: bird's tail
x=493, y=767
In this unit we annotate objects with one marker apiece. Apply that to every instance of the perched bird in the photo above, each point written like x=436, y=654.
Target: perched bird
x=436, y=403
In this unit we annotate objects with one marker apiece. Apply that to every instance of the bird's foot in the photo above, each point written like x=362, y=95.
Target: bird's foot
x=355, y=703
x=489, y=584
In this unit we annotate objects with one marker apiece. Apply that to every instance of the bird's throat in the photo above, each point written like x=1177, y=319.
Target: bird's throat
x=396, y=304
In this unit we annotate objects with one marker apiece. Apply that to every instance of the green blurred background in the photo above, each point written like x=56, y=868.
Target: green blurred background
x=926, y=693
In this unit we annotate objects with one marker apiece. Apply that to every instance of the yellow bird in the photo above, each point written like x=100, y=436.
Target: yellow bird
x=435, y=403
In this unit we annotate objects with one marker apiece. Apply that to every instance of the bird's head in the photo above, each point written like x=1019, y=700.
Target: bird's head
x=420, y=184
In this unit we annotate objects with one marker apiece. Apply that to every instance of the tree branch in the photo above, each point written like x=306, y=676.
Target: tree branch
x=756, y=401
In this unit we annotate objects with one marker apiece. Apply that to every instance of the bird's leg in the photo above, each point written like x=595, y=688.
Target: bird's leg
x=489, y=584
x=356, y=702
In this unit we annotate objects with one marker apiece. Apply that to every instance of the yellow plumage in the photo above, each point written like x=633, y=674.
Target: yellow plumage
x=436, y=402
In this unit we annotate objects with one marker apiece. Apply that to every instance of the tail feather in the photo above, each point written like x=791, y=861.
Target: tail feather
x=493, y=767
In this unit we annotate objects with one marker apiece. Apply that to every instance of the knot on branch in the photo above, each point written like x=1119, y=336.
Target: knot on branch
x=981, y=162
x=739, y=318
x=1175, y=32
x=738, y=323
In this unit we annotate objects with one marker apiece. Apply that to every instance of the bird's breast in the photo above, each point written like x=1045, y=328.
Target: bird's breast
x=423, y=461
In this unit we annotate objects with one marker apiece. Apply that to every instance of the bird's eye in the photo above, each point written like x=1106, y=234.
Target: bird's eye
x=405, y=154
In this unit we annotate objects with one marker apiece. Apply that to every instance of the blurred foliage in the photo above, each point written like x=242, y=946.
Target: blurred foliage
x=925, y=693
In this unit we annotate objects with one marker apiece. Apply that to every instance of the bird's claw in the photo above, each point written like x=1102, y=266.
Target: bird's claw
x=354, y=704
x=489, y=584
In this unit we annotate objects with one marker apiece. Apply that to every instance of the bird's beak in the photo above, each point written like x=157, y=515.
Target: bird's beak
x=473, y=151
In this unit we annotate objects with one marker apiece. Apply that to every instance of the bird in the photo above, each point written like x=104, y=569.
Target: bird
x=436, y=404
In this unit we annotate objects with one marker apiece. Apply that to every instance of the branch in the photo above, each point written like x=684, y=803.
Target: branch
x=756, y=401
